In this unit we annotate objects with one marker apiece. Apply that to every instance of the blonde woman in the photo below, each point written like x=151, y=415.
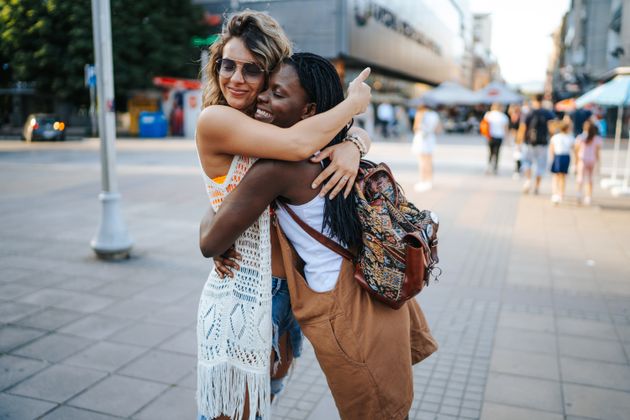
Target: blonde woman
x=234, y=325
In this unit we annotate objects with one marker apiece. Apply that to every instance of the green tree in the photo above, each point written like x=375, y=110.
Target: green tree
x=152, y=38
x=50, y=41
x=5, y=70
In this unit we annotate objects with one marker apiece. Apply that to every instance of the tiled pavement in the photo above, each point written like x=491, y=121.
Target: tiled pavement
x=532, y=312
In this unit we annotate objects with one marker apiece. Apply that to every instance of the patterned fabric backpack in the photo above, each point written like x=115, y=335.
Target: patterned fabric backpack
x=399, y=252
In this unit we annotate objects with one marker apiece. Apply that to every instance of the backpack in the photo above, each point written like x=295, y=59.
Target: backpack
x=537, y=129
x=484, y=128
x=399, y=251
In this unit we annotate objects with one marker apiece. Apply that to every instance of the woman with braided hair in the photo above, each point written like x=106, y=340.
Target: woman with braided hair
x=365, y=348
x=234, y=324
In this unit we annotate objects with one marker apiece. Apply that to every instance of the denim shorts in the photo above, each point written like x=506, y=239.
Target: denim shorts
x=534, y=155
x=283, y=319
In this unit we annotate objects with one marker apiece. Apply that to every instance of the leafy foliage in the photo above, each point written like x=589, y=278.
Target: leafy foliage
x=50, y=41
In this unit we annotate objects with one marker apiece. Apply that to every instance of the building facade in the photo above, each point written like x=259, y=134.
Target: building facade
x=405, y=43
x=591, y=44
x=485, y=67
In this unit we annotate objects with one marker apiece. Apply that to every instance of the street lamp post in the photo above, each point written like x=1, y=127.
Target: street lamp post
x=112, y=239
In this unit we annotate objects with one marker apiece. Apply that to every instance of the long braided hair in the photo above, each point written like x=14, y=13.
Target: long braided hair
x=320, y=81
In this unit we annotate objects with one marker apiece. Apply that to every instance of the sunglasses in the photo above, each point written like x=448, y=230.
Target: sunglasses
x=251, y=71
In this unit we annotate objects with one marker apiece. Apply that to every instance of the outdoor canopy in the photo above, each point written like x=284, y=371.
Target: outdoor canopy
x=447, y=93
x=496, y=92
x=616, y=92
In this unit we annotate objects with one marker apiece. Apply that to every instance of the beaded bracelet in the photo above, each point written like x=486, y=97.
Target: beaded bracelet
x=356, y=140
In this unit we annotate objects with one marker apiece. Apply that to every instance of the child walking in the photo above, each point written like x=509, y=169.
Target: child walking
x=560, y=152
x=587, y=147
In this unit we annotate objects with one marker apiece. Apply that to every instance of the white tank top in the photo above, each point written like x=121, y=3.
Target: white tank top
x=321, y=265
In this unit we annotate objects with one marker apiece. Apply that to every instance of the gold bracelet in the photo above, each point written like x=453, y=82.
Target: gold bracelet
x=356, y=140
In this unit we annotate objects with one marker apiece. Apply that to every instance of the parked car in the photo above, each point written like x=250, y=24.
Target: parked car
x=43, y=127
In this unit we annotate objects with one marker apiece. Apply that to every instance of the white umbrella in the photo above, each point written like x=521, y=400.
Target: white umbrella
x=496, y=92
x=447, y=93
x=613, y=93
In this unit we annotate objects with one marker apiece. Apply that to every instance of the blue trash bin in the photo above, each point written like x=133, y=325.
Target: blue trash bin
x=152, y=124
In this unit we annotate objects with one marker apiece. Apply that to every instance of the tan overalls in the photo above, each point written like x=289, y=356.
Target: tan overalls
x=365, y=348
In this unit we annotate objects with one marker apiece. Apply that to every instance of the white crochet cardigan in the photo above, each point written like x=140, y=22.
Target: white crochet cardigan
x=234, y=327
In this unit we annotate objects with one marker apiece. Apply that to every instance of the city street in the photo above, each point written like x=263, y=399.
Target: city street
x=531, y=312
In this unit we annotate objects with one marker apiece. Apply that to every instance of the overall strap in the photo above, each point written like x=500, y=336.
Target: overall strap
x=318, y=236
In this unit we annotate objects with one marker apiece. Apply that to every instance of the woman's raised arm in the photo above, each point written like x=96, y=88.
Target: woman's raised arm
x=224, y=130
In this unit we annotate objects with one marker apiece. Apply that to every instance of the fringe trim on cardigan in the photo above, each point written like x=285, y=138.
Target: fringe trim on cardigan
x=221, y=391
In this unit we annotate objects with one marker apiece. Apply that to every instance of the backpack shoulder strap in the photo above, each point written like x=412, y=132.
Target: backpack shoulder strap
x=318, y=236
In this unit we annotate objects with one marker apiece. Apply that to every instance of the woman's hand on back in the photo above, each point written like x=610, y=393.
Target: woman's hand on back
x=226, y=264
x=359, y=91
x=342, y=170
x=344, y=164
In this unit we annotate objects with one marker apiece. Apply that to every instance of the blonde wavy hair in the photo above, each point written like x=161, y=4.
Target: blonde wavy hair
x=262, y=35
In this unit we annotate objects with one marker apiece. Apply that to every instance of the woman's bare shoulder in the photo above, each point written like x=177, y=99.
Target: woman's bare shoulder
x=215, y=120
x=216, y=113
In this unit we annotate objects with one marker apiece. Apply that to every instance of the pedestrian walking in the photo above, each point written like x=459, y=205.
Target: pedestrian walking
x=177, y=119
x=365, y=348
x=387, y=118
x=535, y=144
x=515, y=115
x=498, y=125
x=560, y=147
x=587, y=154
x=579, y=117
x=600, y=121
x=426, y=127
x=234, y=357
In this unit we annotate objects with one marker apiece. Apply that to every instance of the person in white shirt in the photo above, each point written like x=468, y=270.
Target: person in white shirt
x=498, y=125
x=560, y=148
x=386, y=115
x=426, y=126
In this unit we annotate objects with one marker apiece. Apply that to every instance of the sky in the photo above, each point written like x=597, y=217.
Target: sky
x=521, y=35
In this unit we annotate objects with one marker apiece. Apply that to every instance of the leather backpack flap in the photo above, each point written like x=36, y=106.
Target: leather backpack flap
x=415, y=271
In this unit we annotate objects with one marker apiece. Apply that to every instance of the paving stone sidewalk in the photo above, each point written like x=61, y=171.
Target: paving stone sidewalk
x=532, y=312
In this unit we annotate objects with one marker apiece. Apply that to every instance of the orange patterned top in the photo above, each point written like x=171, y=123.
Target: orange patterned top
x=219, y=179
x=220, y=187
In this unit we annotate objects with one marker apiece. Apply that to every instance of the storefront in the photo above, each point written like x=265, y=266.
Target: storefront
x=405, y=43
